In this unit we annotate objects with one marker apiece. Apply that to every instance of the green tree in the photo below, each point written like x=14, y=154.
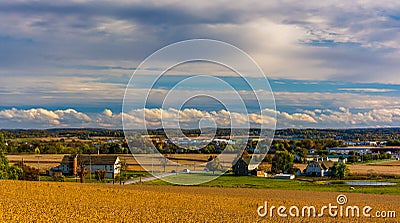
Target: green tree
x=4, y=166
x=213, y=164
x=2, y=142
x=14, y=172
x=280, y=147
x=282, y=161
x=7, y=171
x=340, y=170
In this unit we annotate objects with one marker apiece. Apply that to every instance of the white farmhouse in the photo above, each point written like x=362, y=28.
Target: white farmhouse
x=318, y=168
x=71, y=164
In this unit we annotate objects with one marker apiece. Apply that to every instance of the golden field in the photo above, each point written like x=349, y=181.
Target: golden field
x=70, y=202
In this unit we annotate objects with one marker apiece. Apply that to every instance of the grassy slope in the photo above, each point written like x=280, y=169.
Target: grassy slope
x=304, y=185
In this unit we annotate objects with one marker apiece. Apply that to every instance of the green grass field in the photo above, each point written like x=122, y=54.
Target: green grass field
x=305, y=184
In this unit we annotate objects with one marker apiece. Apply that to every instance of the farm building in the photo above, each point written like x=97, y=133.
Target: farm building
x=243, y=167
x=318, y=168
x=261, y=173
x=283, y=176
x=71, y=164
x=337, y=158
x=334, y=158
x=295, y=171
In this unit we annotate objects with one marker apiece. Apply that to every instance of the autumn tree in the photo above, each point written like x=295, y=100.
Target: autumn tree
x=29, y=173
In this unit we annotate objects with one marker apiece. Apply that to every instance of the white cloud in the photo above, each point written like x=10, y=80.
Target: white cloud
x=108, y=113
x=372, y=90
x=190, y=118
x=341, y=117
x=353, y=41
x=42, y=118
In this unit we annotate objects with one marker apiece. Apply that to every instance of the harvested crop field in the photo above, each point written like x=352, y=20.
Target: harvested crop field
x=70, y=202
x=381, y=169
x=377, y=169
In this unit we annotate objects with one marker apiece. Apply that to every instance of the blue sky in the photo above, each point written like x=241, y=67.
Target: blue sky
x=330, y=64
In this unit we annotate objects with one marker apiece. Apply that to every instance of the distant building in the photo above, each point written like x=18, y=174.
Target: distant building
x=243, y=167
x=364, y=149
x=334, y=158
x=337, y=158
x=319, y=168
x=294, y=170
x=346, y=150
x=261, y=173
x=348, y=143
x=70, y=164
x=314, y=157
x=283, y=176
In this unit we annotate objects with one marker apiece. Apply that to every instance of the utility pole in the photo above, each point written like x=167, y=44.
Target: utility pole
x=37, y=150
x=125, y=168
x=38, y=163
x=152, y=164
x=90, y=168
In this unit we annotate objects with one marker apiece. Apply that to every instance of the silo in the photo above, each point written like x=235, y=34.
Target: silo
x=75, y=165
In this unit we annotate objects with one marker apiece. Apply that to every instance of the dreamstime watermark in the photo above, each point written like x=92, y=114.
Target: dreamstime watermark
x=198, y=84
x=338, y=209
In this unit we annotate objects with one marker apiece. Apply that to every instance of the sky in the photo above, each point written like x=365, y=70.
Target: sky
x=329, y=64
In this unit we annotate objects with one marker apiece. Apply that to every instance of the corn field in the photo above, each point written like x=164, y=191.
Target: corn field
x=70, y=202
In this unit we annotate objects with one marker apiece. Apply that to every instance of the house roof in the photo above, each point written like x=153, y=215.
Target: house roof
x=67, y=159
x=325, y=165
x=93, y=159
x=245, y=160
x=338, y=156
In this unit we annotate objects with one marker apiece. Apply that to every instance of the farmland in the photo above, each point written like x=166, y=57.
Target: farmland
x=197, y=161
x=383, y=168
x=301, y=183
x=69, y=202
x=191, y=161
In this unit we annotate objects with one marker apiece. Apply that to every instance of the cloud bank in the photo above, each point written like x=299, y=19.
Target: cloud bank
x=190, y=118
x=56, y=55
